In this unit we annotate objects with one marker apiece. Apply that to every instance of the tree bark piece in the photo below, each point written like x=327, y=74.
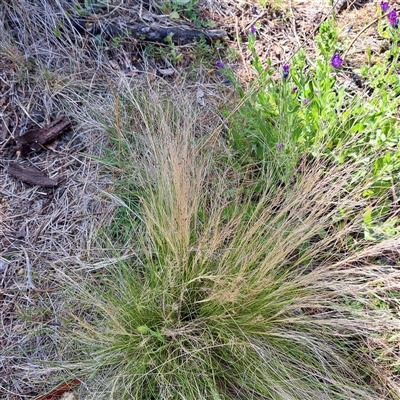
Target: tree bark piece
x=30, y=176
x=36, y=138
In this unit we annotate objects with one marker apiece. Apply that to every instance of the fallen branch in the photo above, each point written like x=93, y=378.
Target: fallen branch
x=28, y=271
x=151, y=33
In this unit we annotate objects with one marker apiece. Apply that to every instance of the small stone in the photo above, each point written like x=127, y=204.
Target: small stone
x=21, y=272
x=68, y=396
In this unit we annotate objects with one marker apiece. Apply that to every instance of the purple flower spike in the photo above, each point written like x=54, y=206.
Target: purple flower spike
x=306, y=100
x=336, y=61
x=279, y=146
x=393, y=18
x=384, y=6
x=220, y=64
x=253, y=29
x=285, y=68
x=294, y=89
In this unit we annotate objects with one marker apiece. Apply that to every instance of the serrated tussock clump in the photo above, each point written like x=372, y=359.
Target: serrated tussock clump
x=227, y=295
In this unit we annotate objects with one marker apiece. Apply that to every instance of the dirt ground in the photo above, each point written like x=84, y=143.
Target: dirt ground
x=44, y=227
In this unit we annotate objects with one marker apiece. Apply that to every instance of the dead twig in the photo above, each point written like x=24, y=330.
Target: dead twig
x=28, y=272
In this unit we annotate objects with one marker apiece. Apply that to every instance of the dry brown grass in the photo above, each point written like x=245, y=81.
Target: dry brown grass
x=42, y=77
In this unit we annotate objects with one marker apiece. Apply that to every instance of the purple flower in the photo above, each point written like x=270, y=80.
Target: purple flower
x=285, y=68
x=253, y=29
x=336, y=61
x=294, y=89
x=306, y=100
x=384, y=6
x=393, y=18
x=220, y=64
x=279, y=146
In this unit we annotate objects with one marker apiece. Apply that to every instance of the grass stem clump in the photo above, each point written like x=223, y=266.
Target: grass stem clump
x=230, y=295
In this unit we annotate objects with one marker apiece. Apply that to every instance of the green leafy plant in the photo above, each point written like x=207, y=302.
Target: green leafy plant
x=307, y=111
x=172, y=52
x=116, y=41
x=169, y=51
x=186, y=8
x=204, y=53
x=376, y=230
x=274, y=4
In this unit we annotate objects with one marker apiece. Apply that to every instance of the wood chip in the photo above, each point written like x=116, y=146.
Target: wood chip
x=31, y=176
x=36, y=138
x=60, y=390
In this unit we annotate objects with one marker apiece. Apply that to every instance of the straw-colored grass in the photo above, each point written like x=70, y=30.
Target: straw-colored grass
x=221, y=295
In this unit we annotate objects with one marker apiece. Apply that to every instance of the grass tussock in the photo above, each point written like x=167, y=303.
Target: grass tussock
x=227, y=295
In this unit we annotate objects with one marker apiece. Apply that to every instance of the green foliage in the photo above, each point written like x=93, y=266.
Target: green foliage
x=170, y=51
x=309, y=112
x=185, y=8
x=83, y=12
x=375, y=230
x=205, y=54
x=116, y=41
x=274, y=4
x=200, y=52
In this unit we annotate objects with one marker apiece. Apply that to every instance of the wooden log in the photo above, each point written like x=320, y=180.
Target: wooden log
x=150, y=33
